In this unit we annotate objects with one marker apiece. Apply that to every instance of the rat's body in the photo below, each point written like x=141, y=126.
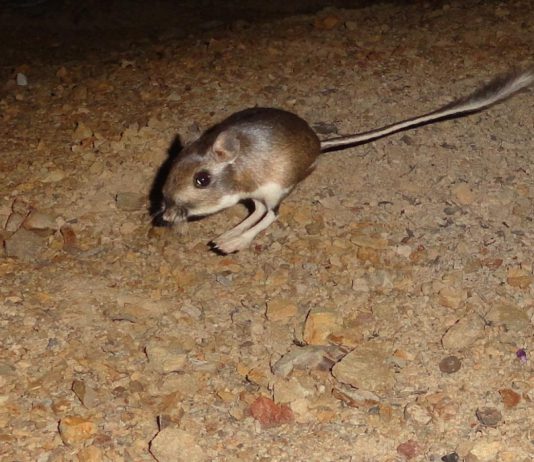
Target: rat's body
x=261, y=154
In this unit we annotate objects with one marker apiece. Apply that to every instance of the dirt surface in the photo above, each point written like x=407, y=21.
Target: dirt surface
x=387, y=315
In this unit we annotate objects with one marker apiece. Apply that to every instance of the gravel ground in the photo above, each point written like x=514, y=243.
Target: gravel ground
x=386, y=316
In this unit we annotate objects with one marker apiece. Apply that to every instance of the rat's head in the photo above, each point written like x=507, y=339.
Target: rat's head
x=201, y=180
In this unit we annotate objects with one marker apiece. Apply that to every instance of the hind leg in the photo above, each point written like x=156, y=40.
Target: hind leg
x=243, y=240
x=247, y=223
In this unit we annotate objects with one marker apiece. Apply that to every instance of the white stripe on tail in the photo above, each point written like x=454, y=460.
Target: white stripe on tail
x=497, y=90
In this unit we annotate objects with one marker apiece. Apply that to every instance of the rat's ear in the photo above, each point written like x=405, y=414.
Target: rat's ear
x=226, y=146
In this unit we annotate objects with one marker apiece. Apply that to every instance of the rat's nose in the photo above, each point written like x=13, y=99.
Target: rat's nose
x=171, y=213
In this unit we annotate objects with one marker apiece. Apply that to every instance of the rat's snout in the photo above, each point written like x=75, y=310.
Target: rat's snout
x=172, y=213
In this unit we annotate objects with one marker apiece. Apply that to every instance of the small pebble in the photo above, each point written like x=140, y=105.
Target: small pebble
x=90, y=454
x=306, y=358
x=81, y=132
x=87, y=395
x=451, y=297
x=409, y=449
x=452, y=457
x=485, y=450
x=417, y=413
x=270, y=414
x=314, y=228
x=521, y=355
x=69, y=238
x=464, y=194
x=327, y=23
x=129, y=201
x=450, y=364
x=509, y=397
x=488, y=416
x=22, y=80
x=75, y=429
x=324, y=128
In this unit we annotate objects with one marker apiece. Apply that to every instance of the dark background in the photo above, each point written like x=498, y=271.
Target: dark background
x=33, y=27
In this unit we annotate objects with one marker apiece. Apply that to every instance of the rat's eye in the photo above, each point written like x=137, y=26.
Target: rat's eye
x=202, y=179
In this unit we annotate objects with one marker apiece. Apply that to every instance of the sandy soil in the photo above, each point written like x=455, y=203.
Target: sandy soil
x=387, y=315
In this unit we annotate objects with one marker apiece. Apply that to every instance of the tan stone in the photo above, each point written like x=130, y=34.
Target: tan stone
x=75, y=429
x=90, y=454
x=464, y=333
x=464, y=194
x=280, y=309
x=366, y=368
x=81, y=132
x=519, y=277
x=175, y=445
x=451, y=297
x=319, y=325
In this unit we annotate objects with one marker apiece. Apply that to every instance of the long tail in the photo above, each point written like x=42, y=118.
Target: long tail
x=495, y=91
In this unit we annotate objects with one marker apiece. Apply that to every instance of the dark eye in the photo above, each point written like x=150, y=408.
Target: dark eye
x=202, y=179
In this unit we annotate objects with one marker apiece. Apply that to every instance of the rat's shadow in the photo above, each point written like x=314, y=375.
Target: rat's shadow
x=155, y=197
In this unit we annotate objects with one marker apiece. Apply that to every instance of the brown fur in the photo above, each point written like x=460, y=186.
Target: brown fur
x=273, y=146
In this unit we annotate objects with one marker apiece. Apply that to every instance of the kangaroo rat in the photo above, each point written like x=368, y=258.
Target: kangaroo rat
x=261, y=154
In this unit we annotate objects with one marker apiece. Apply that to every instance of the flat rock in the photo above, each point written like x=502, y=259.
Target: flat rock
x=90, y=454
x=451, y=297
x=130, y=201
x=484, y=451
x=53, y=176
x=129, y=312
x=175, y=445
x=306, y=358
x=87, y=395
x=19, y=211
x=510, y=316
x=319, y=325
x=288, y=391
x=369, y=242
x=464, y=333
x=81, y=132
x=39, y=221
x=519, y=277
x=166, y=355
x=25, y=245
x=463, y=194
x=280, y=309
x=366, y=368
x=416, y=413
x=7, y=369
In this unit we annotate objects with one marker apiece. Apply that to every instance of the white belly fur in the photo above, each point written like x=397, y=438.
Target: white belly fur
x=270, y=193
x=223, y=203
